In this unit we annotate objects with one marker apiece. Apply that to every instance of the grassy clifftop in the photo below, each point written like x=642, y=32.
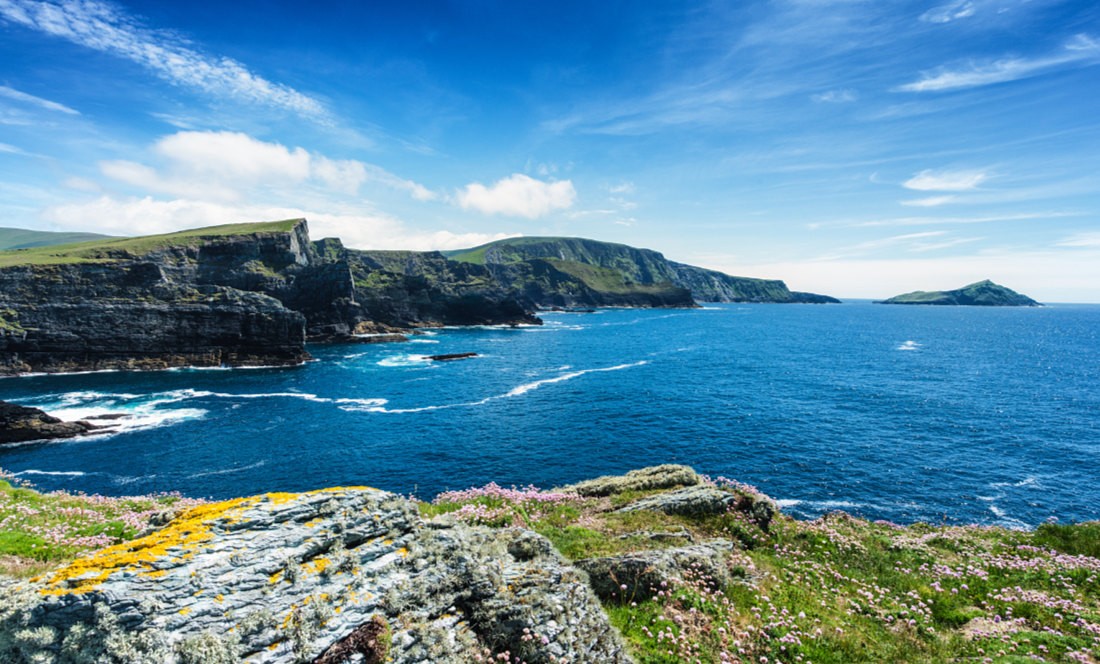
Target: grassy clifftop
x=19, y=238
x=106, y=250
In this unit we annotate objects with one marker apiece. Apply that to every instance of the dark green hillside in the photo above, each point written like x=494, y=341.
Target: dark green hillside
x=636, y=266
x=983, y=293
x=20, y=238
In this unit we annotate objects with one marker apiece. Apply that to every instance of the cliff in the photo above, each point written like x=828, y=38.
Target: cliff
x=637, y=270
x=235, y=295
x=658, y=565
x=982, y=293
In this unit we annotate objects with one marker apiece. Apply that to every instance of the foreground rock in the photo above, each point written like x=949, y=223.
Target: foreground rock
x=20, y=424
x=704, y=501
x=349, y=574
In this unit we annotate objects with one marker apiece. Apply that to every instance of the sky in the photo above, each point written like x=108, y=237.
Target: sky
x=855, y=148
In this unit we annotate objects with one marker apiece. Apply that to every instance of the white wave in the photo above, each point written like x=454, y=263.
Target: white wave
x=519, y=390
x=788, y=502
x=1027, y=481
x=227, y=471
x=125, y=479
x=423, y=341
x=1005, y=520
x=362, y=403
x=909, y=345
x=406, y=360
x=52, y=473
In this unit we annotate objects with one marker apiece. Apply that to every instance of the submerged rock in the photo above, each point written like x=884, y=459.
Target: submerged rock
x=332, y=575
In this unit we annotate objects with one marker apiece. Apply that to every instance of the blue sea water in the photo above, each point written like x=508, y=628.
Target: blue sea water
x=939, y=414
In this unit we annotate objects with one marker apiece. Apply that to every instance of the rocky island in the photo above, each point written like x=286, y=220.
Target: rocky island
x=982, y=293
x=659, y=565
x=254, y=294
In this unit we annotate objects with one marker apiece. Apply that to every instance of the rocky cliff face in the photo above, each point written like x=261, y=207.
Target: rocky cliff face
x=242, y=295
x=339, y=575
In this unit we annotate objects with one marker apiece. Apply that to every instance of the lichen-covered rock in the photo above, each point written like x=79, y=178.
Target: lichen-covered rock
x=667, y=476
x=327, y=575
x=640, y=575
x=704, y=500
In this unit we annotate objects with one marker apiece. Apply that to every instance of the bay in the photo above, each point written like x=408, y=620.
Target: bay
x=938, y=414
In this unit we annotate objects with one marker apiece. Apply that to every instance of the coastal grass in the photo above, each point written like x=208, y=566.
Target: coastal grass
x=836, y=589
x=40, y=531
x=108, y=250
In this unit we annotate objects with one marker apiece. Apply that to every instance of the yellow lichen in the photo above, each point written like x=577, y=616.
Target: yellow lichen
x=184, y=611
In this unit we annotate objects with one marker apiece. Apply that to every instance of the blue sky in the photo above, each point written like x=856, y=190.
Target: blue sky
x=859, y=149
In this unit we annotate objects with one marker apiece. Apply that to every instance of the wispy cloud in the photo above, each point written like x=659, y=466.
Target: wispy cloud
x=17, y=95
x=836, y=97
x=107, y=28
x=951, y=11
x=1089, y=240
x=518, y=195
x=1082, y=49
x=929, y=180
x=930, y=201
x=934, y=221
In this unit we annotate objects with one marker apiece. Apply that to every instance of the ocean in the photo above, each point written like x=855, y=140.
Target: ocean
x=935, y=414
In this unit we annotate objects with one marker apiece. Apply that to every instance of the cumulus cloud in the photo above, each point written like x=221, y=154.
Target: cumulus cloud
x=107, y=28
x=217, y=165
x=518, y=195
x=363, y=229
x=1080, y=49
x=17, y=95
x=929, y=180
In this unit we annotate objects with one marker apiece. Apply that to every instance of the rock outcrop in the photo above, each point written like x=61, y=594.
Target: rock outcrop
x=640, y=575
x=667, y=476
x=349, y=574
x=19, y=424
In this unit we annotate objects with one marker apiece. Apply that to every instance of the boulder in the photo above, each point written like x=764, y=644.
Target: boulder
x=704, y=500
x=667, y=476
x=346, y=574
x=643, y=572
x=20, y=423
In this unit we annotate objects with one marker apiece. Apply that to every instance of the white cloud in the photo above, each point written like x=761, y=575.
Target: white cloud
x=218, y=165
x=362, y=229
x=1081, y=48
x=952, y=11
x=835, y=97
x=929, y=180
x=17, y=95
x=10, y=149
x=930, y=201
x=107, y=28
x=518, y=195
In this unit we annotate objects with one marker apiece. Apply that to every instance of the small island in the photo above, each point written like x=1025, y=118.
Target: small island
x=983, y=294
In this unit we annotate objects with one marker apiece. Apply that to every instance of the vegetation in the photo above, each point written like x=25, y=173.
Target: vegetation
x=19, y=238
x=39, y=531
x=108, y=250
x=837, y=589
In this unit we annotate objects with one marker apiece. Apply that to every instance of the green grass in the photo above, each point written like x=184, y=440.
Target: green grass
x=21, y=238
x=100, y=251
x=39, y=531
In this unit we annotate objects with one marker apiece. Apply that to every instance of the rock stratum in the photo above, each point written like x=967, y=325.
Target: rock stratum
x=982, y=294
x=254, y=294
